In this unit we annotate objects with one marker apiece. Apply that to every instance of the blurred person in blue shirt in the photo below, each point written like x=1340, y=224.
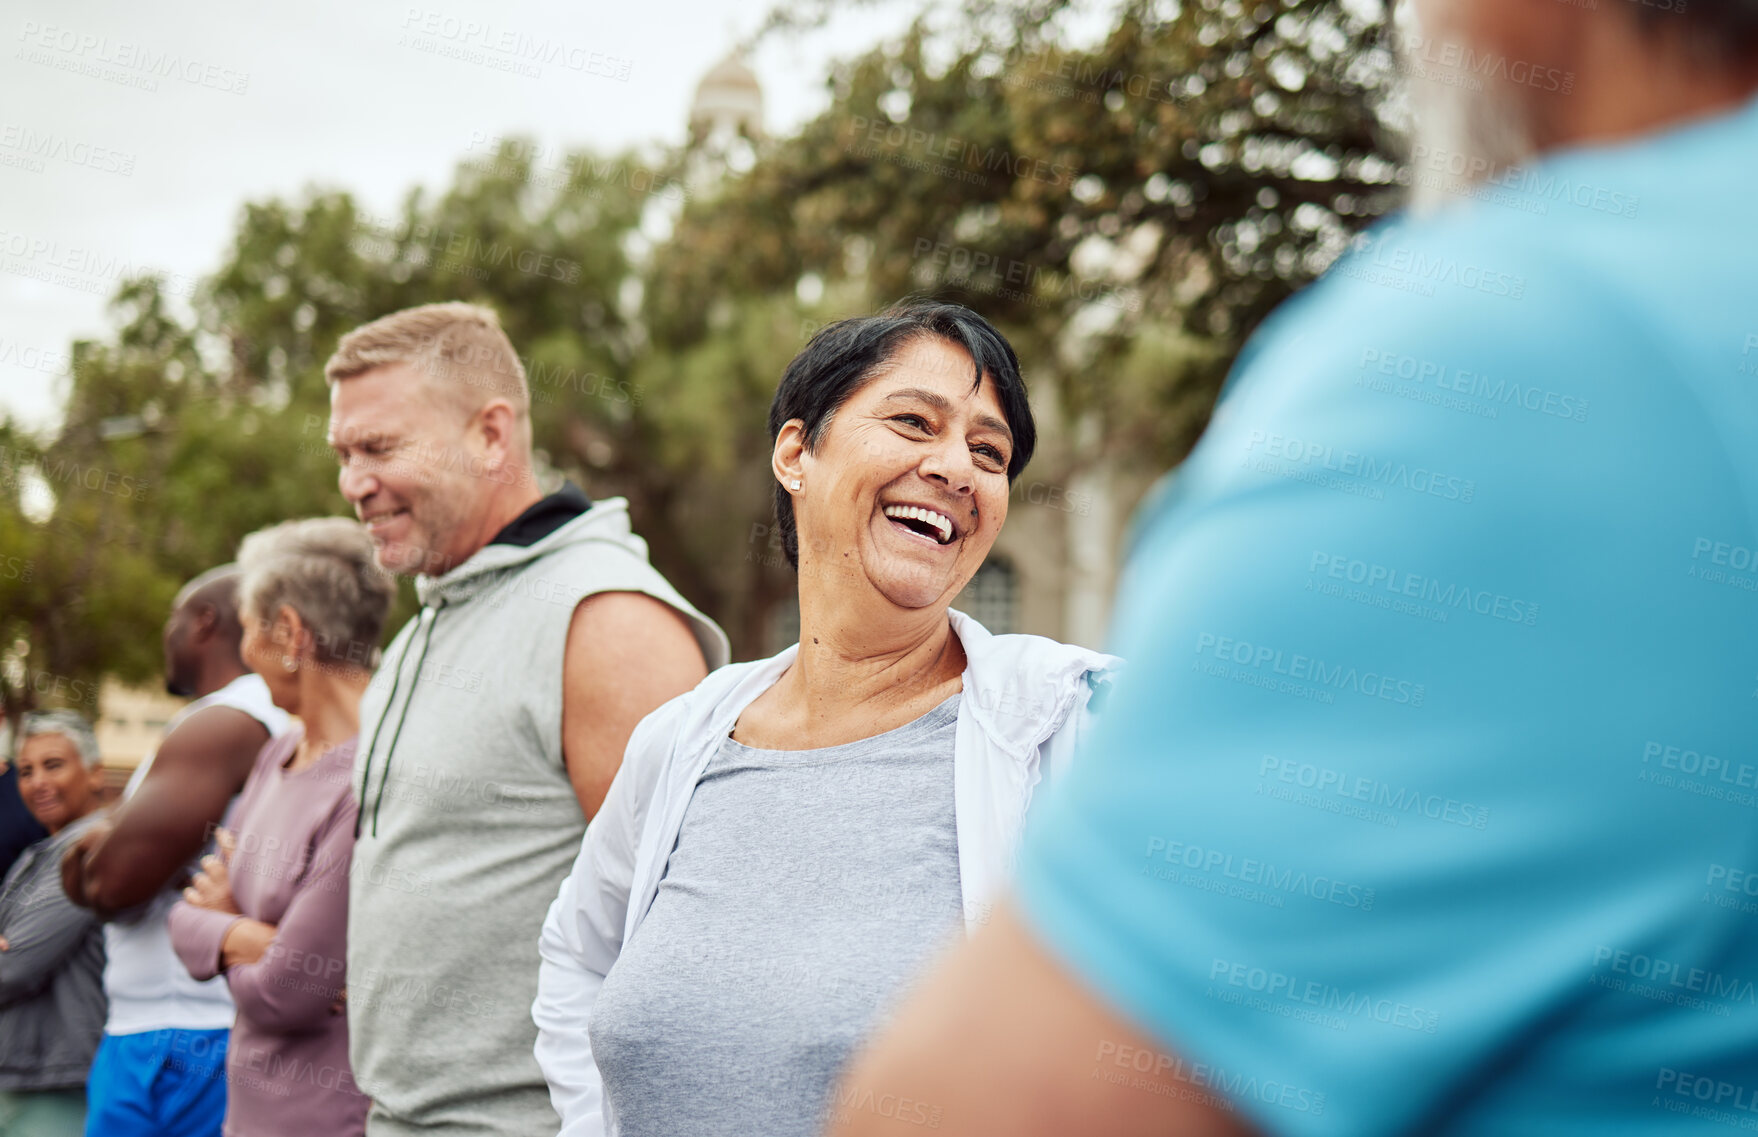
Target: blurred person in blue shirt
x=1429, y=803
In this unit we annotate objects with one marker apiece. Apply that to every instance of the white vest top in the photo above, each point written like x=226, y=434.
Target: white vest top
x=148, y=986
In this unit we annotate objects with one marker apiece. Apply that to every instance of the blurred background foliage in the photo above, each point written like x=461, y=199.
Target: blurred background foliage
x=1126, y=214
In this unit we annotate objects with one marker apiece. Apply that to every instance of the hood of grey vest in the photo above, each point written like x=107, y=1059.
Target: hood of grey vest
x=491, y=565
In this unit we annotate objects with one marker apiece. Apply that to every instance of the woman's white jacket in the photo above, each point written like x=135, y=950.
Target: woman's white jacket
x=1026, y=703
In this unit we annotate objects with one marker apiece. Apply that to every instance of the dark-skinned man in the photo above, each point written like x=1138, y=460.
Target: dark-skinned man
x=161, y=1066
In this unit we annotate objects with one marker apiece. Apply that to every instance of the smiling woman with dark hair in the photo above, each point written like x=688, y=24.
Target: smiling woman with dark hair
x=786, y=845
x=844, y=355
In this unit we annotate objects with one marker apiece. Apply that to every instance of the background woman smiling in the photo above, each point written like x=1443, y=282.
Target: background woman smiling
x=51, y=952
x=786, y=845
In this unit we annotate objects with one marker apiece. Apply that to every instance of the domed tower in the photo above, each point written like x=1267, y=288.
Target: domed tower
x=728, y=105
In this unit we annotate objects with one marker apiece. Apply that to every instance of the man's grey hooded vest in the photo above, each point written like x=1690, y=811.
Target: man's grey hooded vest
x=468, y=824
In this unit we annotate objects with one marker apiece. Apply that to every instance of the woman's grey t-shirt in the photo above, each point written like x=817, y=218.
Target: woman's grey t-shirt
x=806, y=891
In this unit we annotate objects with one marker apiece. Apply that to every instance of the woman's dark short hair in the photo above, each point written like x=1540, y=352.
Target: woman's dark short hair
x=844, y=355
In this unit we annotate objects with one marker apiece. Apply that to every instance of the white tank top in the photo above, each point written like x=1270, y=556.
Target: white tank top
x=148, y=986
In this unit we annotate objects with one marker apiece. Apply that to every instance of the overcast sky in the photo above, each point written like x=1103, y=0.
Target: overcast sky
x=130, y=134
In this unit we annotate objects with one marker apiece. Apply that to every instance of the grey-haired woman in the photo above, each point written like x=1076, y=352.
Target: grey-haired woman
x=270, y=910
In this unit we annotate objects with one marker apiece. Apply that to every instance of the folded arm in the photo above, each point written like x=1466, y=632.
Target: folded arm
x=296, y=982
x=44, y=931
x=152, y=836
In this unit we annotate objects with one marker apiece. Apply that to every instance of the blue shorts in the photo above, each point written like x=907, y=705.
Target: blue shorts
x=158, y=1083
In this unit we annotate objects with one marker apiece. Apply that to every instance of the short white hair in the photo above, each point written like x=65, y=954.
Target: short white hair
x=71, y=725
x=324, y=568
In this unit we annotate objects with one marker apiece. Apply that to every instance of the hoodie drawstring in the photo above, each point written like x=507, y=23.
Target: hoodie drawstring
x=429, y=617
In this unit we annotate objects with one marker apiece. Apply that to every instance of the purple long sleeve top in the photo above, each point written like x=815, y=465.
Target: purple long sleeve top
x=287, y=1069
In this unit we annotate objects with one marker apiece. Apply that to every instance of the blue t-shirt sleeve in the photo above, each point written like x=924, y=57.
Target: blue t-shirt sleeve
x=1342, y=836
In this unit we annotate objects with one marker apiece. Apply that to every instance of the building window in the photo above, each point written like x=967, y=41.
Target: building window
x=992, y=596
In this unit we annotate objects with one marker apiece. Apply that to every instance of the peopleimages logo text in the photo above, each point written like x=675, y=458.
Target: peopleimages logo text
x=1450, y=595
x=1704, y=1088
x=962, y=152
x=1399, y=799
x=1310, y=669
x=1417, y=479
x=1688, y=761
x=1325, y=996
x=1656, y=970
x=1434, y=268
x=1204, y=1076
x=1250, y=870
x=126, y=57
x=1475, y=384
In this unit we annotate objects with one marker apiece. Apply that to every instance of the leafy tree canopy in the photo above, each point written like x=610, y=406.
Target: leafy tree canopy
x=1126, y=212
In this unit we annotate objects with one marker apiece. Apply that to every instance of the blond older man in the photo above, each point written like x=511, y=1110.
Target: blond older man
x=497, y=722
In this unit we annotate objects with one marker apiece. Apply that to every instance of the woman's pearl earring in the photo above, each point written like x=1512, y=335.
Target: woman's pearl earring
x=289, y=663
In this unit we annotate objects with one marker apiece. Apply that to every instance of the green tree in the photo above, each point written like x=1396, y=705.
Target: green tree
x=1127, y=213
